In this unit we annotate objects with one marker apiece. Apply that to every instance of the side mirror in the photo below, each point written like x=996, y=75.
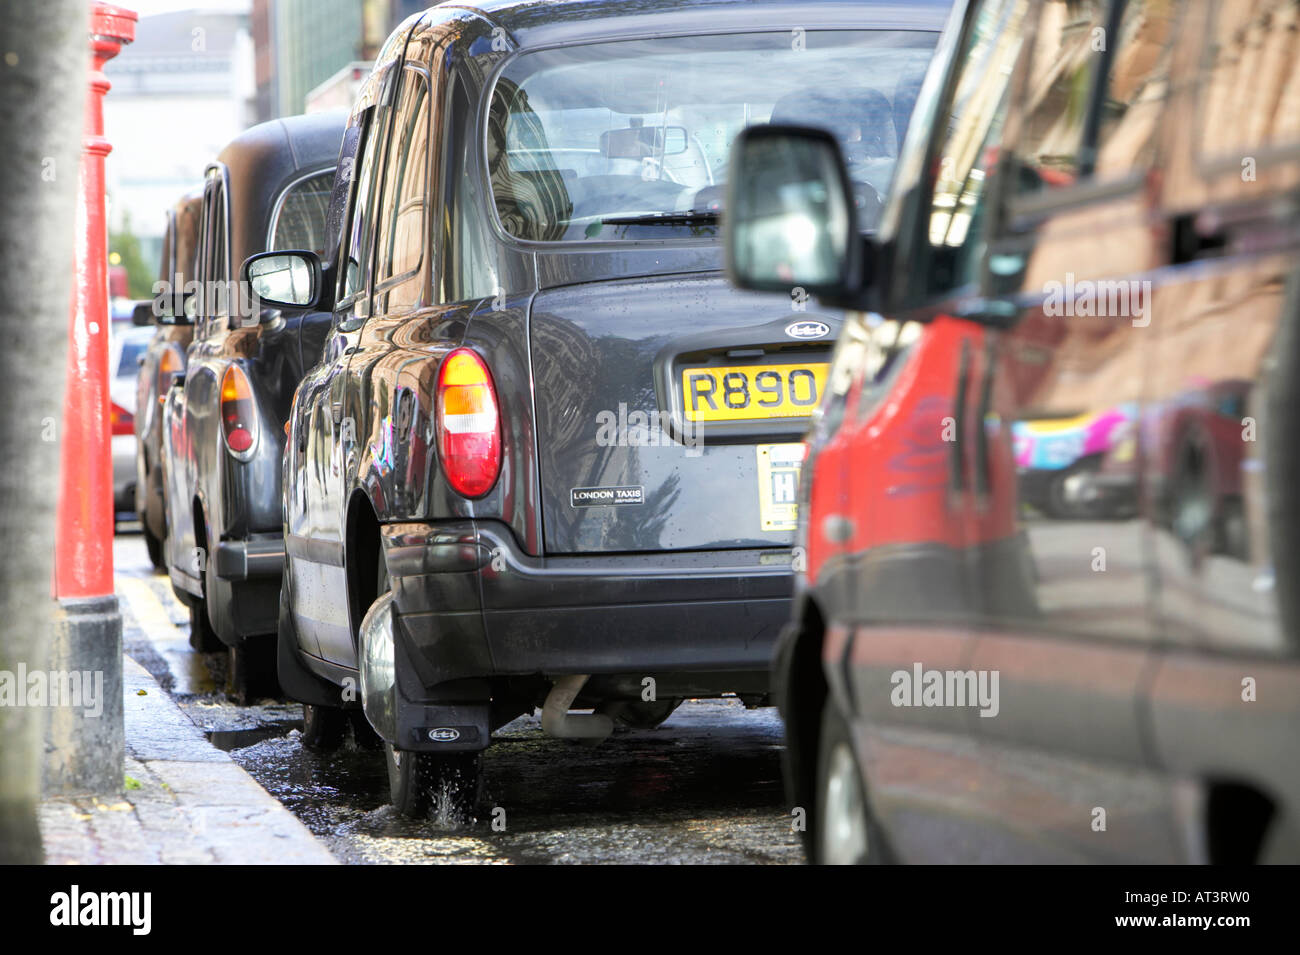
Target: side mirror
x=174, y=309
x=284, y=279
x=790, y=217
x=142, y=314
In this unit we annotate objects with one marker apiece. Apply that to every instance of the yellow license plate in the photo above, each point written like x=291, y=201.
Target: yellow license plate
x=742, y=392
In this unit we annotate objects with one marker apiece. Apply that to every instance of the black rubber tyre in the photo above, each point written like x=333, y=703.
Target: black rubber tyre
x=363, y=734
x=323, y=727
x=443, y=786
x=155, y=548
x=202, y=637
x=844, y=831
x=251, y=675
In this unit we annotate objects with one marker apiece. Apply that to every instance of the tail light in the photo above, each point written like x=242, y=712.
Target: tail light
x=238, y=414
x=469, y=426
x=120, y=420
x=170, y=364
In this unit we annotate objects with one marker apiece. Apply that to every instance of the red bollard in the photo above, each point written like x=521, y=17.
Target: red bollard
x=84, y=542
x=85, y=749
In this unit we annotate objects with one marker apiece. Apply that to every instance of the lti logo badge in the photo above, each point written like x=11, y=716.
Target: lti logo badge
x=807, y=329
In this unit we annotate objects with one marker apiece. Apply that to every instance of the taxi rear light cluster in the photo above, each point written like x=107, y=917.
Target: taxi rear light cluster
x=170, y=364
x=238, y=414
x=468, y=423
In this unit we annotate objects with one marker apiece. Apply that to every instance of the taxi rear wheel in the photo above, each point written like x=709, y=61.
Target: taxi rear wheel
x=323, y=727
x=441, y=786
x=202, y=637
x=155, y=548
x=251, y=672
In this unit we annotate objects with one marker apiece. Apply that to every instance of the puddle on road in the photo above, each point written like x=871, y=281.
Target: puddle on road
x=230, y=740
x=705, y=787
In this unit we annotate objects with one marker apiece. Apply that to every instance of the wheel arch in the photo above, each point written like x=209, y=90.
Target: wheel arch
x=361, y=553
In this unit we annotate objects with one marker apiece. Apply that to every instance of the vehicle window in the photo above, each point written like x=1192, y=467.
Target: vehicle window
x=401, y=239
x=965, y=151
x=219, y=304
x=467, y=272
x=211, y=300
x=187, y=238
x=1068, y=52
x=1250, y=97
x=1070, y=48
x=638, y=131
x=195, y=303
x=300, y=223
x=1136, y=88
x=352, y=275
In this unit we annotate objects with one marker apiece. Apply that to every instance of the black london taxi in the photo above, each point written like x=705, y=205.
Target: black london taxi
x=223, y=419
x=549, y=455
x=163, y=360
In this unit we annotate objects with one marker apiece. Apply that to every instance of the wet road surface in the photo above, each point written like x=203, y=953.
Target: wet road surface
x=705, y=787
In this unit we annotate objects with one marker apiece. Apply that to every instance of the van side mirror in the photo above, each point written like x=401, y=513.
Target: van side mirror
x=284, y=279
x=142, y=313
x=790, y=218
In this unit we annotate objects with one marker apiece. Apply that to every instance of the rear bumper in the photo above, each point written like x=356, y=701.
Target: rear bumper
x=250, y=559
x=469, y=603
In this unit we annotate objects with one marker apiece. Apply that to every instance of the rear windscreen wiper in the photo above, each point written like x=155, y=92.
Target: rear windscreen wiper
x=689, y=217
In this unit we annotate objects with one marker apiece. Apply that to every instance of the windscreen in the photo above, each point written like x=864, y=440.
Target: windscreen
x=630, y=139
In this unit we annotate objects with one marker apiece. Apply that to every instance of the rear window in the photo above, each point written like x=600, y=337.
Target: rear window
x=300, y=223
x=638, y=132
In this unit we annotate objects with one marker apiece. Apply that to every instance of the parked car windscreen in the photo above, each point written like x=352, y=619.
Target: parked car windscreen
x=639, y=131
x=300, y=220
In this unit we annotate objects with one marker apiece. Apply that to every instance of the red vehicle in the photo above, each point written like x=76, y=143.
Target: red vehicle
x=973, y=676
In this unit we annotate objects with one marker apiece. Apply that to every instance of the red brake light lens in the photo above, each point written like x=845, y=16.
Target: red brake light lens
x=120, y=420
x=238, y=415
x=469, y=425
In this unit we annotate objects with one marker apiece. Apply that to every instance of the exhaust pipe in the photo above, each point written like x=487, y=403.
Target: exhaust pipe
x=557, y=721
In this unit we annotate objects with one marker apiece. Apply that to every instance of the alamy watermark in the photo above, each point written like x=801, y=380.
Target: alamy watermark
x=645, y=429
x=1126, y=298
x=922, y=687
x=75, y=689
x=234, y=299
